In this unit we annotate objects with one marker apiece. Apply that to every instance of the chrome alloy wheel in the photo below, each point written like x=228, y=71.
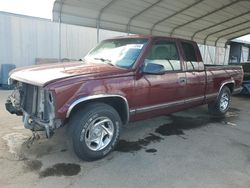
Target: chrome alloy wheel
x=99, y=133
x=224, y=101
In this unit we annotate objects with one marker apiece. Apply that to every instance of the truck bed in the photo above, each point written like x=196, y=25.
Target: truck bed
x=216, y=75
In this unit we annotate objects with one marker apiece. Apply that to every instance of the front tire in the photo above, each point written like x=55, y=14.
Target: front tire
x=96, y=130
x=222, y=104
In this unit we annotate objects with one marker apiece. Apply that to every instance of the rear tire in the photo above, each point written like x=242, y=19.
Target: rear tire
x=95, y=131
x=222, y=104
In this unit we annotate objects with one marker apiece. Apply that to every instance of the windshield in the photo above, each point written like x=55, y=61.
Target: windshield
x=118, y=52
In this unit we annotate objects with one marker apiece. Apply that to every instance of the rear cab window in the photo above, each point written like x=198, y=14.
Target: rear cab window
x=190, y=57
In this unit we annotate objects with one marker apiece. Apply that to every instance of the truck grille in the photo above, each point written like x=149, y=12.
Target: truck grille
x=29, y=98
x=33, y=101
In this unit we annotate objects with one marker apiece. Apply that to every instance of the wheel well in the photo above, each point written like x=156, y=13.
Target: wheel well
x=230, y=86
x=116, y=102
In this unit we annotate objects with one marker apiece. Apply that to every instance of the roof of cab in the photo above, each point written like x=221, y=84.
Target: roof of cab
x=149, y=37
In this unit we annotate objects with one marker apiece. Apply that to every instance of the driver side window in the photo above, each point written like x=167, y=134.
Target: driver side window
x=164, y=53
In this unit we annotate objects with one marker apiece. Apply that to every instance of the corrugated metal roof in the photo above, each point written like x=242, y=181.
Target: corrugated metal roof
x=211, y=22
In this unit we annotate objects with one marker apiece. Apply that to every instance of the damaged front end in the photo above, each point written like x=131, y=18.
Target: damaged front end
x=36, y=105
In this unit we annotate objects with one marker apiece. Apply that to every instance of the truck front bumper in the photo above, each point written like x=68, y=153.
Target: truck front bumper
x=34, y=123
x=11, y=109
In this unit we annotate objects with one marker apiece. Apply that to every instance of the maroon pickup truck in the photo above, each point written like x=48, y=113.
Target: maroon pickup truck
x=121, y=80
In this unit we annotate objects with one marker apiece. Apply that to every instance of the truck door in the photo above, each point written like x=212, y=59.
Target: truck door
x=195, y=73
x=160, y=91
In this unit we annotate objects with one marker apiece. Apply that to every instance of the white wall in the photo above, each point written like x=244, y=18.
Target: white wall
x=214, y=55
x=76, y=41
x=23, y=39
x=244, y=54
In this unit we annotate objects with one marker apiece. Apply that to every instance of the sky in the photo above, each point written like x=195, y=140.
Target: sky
x=36, y=8
x=42, y=9
x=245, y=38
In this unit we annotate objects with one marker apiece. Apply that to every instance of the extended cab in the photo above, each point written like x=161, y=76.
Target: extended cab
x=121, y=80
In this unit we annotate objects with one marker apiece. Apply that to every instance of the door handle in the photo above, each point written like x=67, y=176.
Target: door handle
x=182, y=80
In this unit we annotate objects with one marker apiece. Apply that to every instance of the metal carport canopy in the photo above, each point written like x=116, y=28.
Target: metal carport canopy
x=211, y=22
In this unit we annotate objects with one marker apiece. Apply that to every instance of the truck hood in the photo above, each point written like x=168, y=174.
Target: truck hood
x=41, y=75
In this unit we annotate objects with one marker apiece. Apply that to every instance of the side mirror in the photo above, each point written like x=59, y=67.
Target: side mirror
x=152, y=68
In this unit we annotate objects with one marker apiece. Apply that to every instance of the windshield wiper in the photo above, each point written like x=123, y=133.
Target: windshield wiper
x=108, y=61
x=102, y=59
x=110, y=64
x=82, y=60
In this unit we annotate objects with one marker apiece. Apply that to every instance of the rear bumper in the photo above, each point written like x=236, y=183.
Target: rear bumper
x=237, y=90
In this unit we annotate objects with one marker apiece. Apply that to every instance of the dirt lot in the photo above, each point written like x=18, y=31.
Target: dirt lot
x=187, y=149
